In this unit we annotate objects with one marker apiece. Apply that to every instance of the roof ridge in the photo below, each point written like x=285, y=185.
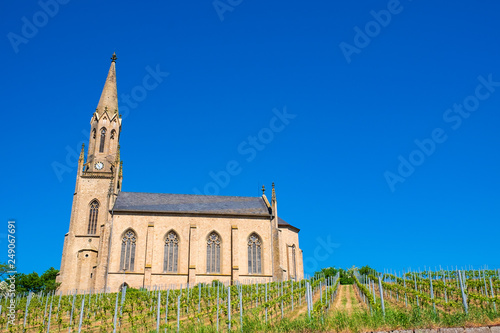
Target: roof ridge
x=189, y=203
x=198, y=195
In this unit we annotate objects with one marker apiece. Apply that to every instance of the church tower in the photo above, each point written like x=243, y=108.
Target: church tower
x=98, y=182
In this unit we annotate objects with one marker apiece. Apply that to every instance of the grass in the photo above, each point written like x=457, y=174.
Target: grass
x=338, y=319
x=361, y=321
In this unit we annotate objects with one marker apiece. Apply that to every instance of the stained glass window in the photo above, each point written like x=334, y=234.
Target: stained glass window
x=254, y=254
x=127, y=259
x=94, y=210
x=213, y=253
x=170, y=258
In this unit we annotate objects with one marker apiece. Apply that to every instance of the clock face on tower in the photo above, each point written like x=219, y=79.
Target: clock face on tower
x=99, y=165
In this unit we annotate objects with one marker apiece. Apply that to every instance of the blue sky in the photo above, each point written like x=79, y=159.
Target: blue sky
x=369, y=87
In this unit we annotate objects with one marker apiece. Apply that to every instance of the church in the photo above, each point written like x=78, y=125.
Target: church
x=148, y=239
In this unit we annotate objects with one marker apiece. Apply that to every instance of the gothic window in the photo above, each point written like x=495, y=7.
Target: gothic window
x=113, y=132
x=254, y=254
x=294, y=263
x=94, y=210
x=93, y=133
x=127, y=258
x=171, y=252
x=103, y=139
x=213, y=253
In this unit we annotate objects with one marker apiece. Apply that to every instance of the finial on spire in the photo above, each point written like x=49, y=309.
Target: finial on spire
x=113, y=58
x=82, y=153
x=263, y=190
x=274, y=193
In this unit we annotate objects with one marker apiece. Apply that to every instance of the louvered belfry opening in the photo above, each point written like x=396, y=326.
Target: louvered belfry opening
x=254, y=254
x=171, y=252
x=127, y=258
x=213, y=253
x=103, y=139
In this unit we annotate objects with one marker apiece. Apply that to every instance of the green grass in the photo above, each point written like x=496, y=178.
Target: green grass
x=357, y=322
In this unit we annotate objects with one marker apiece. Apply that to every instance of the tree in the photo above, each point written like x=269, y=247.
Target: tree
x=49, y=280
x=28, y=282
x=35, y=283
x=365, y=270
x=326, y=272
x=346, y=277
x=4, y=268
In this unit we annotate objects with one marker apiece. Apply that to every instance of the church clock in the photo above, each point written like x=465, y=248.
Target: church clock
x=99, y=165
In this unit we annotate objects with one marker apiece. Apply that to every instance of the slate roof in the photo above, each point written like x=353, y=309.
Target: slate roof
x=283, y=224
x=190, y=204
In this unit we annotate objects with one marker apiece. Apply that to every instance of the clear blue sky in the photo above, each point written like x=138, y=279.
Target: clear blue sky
x=360, y=101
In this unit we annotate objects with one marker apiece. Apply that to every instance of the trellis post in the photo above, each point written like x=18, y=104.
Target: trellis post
x=381, y=295
x=432, y=292
x=81, y=315
x=178, y=311
x=241, y=309
x=464, y=298
x=493, y=295
x=158, y=305
x=229, y=307
x=71, y=315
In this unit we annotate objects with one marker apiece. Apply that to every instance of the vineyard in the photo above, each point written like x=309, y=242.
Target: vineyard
x=207, y=308
x=374, y=302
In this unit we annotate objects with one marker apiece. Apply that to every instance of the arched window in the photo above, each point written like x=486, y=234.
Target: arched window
x=128, y=251
x=93, y=133
x=294, y=263
x=254, y=254
x=170, y=255
x=213, y=253
x=103, y=139
x=113, y=133
x=94, y=211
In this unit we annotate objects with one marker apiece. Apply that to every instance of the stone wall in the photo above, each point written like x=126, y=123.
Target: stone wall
x=486, y=329
x=192, y=232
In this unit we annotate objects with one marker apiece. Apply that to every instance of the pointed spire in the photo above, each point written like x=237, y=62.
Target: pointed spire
x=109, y=95
x=273, y=198
x=82, y=153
